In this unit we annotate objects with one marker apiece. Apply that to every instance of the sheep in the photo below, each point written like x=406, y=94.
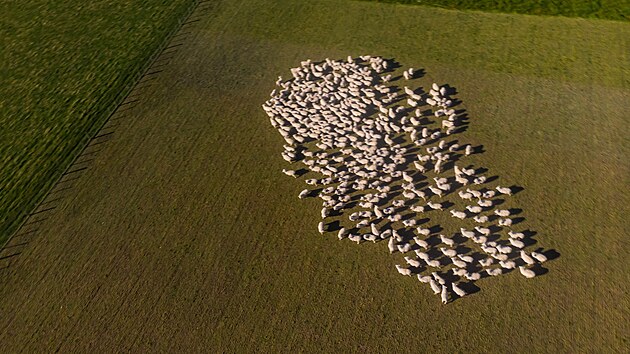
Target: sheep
x=448, y=252
x=290, y=173
x=447, y=241
x=460, y=272
x=479, y=239
x=444, y=295
x=423, y=231
x=484, y=203
x=502, y=213
x=424, y=278
x=516, y=243
x=505, y=222
x=467, y=259
x=516, y=235
x=325, y=212
x=488, y=194
x=486, y=262
x=465, y=196
x=469, y=150
x=507, y=264
x=483, y=230
x=355, y=238
x=417, y=209
x=458, y=214
x=303, y=194
x=504, y=190
x=480, y=219
x=402, y=270
x=404, y=248
x=434, y=286
x=438, y=278
x=374, y=229
x=342, y=233
x=504, y=249
x=527, y=273
x=474, y=209
x=420, y=242
x=500, y=256
x=422, y=255
x=526, y=258
x=466, y=233
x=458, y=263
x=436, y=191
x=433, y=263
x=493, y=272
x=459, y=291
x=412, y=262
x=392, y=245
x=320, y=227
x=539, y=257
x=472, y=276
x=370, y=237
x=435, y=206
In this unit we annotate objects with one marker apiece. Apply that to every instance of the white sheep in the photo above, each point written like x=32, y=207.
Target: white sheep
x=516, y=243
x=504, y=190
x=474, y=209
x=303, y=194
x=458, y=263
x=502, y=213
x=424, y=278
x=480, y=219
x=447, y=241
x=466, y=233
x=436, y=206
x=473, y=276
x=526, y=258
x=291, y=173
x=483, y=230
x=459, y=291
x=458, y=214
x=467, y=259
x=420, y=242
x=507, y=264
x=320, y=227
x=391, y=244
x=539, y=257
x=423, y=231
x=494, y=271
x=444, y=295
x=516, y=235
x=402, y=270
x=448, y=252
x=528, y=273
x=434, y=286
x=412, y=262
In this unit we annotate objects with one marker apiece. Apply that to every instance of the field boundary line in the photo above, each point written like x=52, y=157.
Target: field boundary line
x=93, y=132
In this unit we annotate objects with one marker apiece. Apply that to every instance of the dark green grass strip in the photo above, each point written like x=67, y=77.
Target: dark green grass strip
x=618, y=10
x=68, y=64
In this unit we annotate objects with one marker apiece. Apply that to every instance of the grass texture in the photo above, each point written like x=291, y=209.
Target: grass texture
x=67, y=64
x=618, y=10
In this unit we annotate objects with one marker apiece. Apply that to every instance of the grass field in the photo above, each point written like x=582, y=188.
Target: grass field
x=67, y=65
x=607, y=9
x=185, y=236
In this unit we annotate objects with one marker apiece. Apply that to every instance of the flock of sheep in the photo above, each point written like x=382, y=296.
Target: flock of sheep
x=387, y=158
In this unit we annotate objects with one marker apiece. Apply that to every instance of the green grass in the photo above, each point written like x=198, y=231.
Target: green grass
x=618, y=10
x=184, y=236
x=67, y=64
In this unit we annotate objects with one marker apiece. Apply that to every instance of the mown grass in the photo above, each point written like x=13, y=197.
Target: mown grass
x=186, y=237
x=66, y=65
x=607, y=9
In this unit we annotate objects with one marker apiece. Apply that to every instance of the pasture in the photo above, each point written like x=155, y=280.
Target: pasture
x=68, y=64
x=183, y=234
